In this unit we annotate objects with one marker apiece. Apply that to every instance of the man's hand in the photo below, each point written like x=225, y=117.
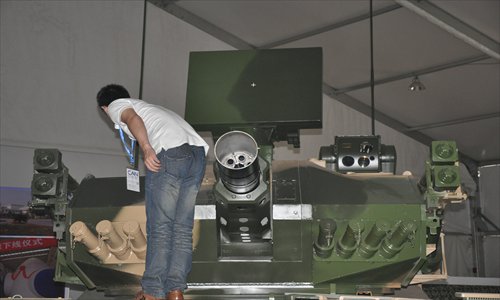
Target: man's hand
x=151, y=161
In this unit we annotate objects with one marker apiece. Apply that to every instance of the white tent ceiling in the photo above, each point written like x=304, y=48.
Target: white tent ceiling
x=452, y=45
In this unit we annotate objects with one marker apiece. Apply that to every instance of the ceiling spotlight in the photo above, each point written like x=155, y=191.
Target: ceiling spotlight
x=416, y=85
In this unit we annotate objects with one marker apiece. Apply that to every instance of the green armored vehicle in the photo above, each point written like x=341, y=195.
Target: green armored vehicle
x=264, y=228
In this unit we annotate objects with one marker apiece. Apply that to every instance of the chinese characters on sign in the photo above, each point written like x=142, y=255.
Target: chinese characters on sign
x=24, y=244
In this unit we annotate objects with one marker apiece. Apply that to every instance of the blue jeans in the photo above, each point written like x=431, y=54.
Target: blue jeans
x=170, y=201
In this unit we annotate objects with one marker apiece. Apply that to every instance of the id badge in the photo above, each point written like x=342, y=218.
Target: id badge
x=133, y=180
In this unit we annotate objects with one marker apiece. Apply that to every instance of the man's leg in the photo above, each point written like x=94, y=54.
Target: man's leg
x=183, y=225
x=161, y=194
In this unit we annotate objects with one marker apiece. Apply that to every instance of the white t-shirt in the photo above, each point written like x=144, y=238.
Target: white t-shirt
x=165, y=128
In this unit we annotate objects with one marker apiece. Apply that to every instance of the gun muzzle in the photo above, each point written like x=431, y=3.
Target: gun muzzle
x=237, y=161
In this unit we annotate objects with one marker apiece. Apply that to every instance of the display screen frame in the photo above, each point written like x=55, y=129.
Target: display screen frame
x=271, y=88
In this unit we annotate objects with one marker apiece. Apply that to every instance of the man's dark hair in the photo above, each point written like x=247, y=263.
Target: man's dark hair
x=110, y=93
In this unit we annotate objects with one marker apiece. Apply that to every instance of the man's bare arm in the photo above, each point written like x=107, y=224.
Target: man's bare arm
x=136, y=126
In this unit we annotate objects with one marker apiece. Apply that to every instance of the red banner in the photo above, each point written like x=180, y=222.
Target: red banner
x=25, y=244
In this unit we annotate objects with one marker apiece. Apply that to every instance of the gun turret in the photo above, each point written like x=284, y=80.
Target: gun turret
x=242, y=198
